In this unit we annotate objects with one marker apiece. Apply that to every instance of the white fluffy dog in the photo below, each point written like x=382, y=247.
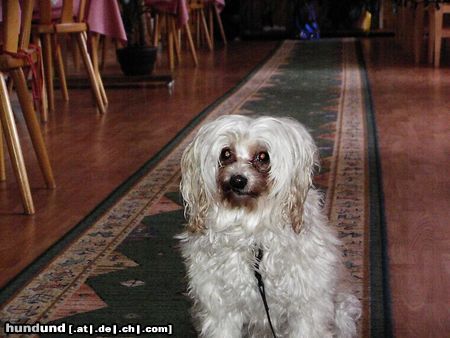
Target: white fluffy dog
x=247, y=187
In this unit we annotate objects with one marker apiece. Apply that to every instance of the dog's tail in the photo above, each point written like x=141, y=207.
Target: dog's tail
x=348, y=311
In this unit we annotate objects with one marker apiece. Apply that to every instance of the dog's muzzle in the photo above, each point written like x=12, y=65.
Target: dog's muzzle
x=238, y=182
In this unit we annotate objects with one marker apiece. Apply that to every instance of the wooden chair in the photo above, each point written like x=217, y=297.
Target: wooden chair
x=213, y=12
x=49, y=30
x=168, y=21
x=438, y=31
x=15, y=56
x=198, y=20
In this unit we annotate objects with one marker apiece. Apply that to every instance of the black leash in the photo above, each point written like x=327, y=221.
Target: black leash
x=261, y=288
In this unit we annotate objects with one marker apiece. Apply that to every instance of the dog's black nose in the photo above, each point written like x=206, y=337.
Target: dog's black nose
x=238, y=182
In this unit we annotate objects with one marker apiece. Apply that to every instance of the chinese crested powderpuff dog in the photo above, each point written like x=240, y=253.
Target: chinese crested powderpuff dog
x=251, y=205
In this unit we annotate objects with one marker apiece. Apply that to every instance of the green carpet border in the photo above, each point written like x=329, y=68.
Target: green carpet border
x=39, y=263
x=380, y=313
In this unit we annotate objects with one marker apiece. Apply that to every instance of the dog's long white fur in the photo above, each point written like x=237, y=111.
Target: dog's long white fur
x=302, y=270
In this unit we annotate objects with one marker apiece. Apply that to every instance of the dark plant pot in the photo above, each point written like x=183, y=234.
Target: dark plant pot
x=136, y=60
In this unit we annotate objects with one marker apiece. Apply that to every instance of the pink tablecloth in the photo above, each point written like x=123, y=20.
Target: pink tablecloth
x=176, y=7
x=180, y=8
x=103, y=16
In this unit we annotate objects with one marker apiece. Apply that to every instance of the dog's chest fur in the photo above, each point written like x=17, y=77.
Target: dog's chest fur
x=228, y=258
x=226, y=264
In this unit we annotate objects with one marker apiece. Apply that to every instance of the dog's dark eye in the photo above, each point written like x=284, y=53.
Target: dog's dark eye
x=226, y=156
x=263, y=157
x=261, y=161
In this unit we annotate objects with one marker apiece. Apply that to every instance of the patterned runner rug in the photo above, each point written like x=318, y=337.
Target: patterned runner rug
x=121, y=265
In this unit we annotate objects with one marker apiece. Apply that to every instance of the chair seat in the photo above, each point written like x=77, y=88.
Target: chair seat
x=69, y=27
x=196, y=5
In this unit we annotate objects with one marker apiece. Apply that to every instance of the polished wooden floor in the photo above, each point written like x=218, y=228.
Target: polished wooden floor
x=92, y=154
x=412, y=105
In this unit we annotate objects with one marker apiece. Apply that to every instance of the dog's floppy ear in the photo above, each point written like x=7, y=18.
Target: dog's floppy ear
x=192, y=189
x=295, y=204
x=305, y=157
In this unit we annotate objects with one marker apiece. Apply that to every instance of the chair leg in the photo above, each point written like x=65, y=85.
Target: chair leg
x=60, y=68
x=418, y=32
x=149, y=26
x=2, y=157
x=102, y=89
x=198, y=31
x=15, y=151
x=75, y=54
x=219, y=22
x=438, y=21
x=93, y=41
x=174, y=31
x=205, y=29
x=48, y=68
x=170, y=42
x=191, y=44
x=156, y=30
x=9, y=85
x=43, y=104
x=211, y=24
x=94, y=56
x=33, y=126
x=431, y=35
x=90, y=70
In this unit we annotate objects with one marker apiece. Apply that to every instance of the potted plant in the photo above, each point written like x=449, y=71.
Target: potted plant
x=138, y=56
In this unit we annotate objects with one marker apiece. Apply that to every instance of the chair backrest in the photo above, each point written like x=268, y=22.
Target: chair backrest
x=196, y=4
x=67, y=11
x=82, y=10
x=45, y=12
x=16, y=35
